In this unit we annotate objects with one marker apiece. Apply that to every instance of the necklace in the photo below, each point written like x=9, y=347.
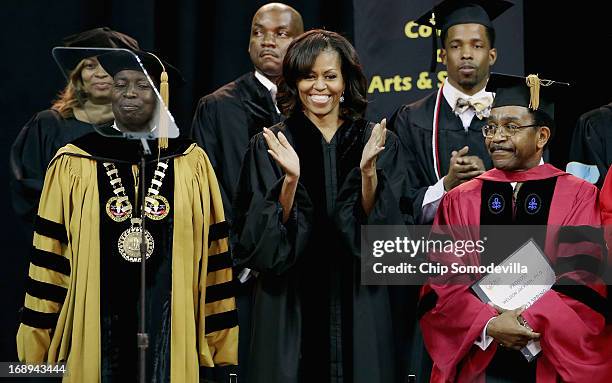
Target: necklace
x=130, y=240
x=119, y=208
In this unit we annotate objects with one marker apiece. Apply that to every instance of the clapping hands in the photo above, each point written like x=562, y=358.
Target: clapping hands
x=373, y=147
x=283, y=153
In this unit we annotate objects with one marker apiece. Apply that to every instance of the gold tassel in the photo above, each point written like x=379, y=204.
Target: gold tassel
x=533, y=82
x=164, y=91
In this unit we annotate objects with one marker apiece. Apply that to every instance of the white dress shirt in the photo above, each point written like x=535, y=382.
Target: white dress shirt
x=270, y=86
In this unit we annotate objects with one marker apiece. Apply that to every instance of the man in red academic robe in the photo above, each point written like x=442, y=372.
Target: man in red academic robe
x=470, y=341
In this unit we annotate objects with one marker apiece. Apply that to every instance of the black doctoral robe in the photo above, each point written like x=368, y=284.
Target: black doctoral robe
x=31, y=153
x=225, y=121
x=413, y=125
x=313, y=321
x=592, y=140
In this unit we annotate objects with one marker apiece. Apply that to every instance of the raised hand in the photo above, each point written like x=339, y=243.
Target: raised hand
x=372, y=148
x=281, y=150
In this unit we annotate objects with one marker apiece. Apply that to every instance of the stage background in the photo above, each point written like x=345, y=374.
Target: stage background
x=208, y=41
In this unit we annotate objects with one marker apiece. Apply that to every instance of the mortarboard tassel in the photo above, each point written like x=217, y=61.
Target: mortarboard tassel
x=434, y=45
x=533, y=82
x=164, y=91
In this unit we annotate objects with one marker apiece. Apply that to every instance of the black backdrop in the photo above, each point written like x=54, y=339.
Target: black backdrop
x=208, y=41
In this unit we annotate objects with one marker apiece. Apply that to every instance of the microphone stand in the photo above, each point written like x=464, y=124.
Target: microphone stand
x=142, y=336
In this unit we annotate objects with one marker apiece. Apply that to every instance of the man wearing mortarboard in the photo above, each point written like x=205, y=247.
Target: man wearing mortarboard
x=82, y=303
x=481, y=343
x=440, y=133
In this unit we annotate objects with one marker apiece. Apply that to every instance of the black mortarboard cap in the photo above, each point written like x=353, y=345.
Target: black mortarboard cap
x=116, y=61
x=452, y=12
x=103, y=37
x=159, y=71
x=530, y=92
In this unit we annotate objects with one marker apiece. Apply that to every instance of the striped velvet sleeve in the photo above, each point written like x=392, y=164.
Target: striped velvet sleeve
x=580, y=266
x=220, y=315
x=220, y=306
x=49, y=274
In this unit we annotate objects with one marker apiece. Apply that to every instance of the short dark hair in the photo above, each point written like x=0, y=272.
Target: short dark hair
x=541, y=118
x=299, y=60
x=490, y=35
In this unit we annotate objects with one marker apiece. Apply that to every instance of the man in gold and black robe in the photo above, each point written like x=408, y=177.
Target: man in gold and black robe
x=82, y=301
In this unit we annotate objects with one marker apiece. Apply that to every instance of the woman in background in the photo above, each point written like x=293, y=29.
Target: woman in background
x=84, y=101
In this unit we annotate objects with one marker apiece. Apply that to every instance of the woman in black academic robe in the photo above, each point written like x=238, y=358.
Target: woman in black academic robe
x=84, y=101
x=306, y=187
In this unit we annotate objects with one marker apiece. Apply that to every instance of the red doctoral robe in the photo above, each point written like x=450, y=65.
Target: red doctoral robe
x=606, y=205
x=576, y=343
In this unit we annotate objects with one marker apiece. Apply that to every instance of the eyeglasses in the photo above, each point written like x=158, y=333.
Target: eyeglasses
x=508, y=130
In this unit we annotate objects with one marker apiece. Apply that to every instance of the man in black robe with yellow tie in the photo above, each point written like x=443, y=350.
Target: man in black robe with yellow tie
x=440, y=133
x=442, y=141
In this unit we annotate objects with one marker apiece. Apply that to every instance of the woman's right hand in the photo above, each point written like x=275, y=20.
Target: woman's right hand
x=281, y=150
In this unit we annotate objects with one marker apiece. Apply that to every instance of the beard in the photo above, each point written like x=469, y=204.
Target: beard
x=469, y=82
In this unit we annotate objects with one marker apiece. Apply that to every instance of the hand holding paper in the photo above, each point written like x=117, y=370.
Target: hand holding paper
x=507, y=330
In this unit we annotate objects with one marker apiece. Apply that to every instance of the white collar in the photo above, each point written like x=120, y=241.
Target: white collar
x=452, y=94
x=114, y=126
x=270, y=86
x=265, y=81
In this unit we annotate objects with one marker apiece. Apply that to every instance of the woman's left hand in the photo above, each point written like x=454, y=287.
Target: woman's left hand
x=373, y=147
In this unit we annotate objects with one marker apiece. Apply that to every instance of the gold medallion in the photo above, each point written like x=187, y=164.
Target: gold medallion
x=158, y=208
x=116, y=211
x=129, y=242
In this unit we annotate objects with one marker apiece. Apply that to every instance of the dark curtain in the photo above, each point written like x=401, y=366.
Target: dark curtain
x=570, y=42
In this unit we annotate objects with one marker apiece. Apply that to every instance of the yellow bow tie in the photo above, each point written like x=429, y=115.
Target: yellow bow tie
x=481, y=105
